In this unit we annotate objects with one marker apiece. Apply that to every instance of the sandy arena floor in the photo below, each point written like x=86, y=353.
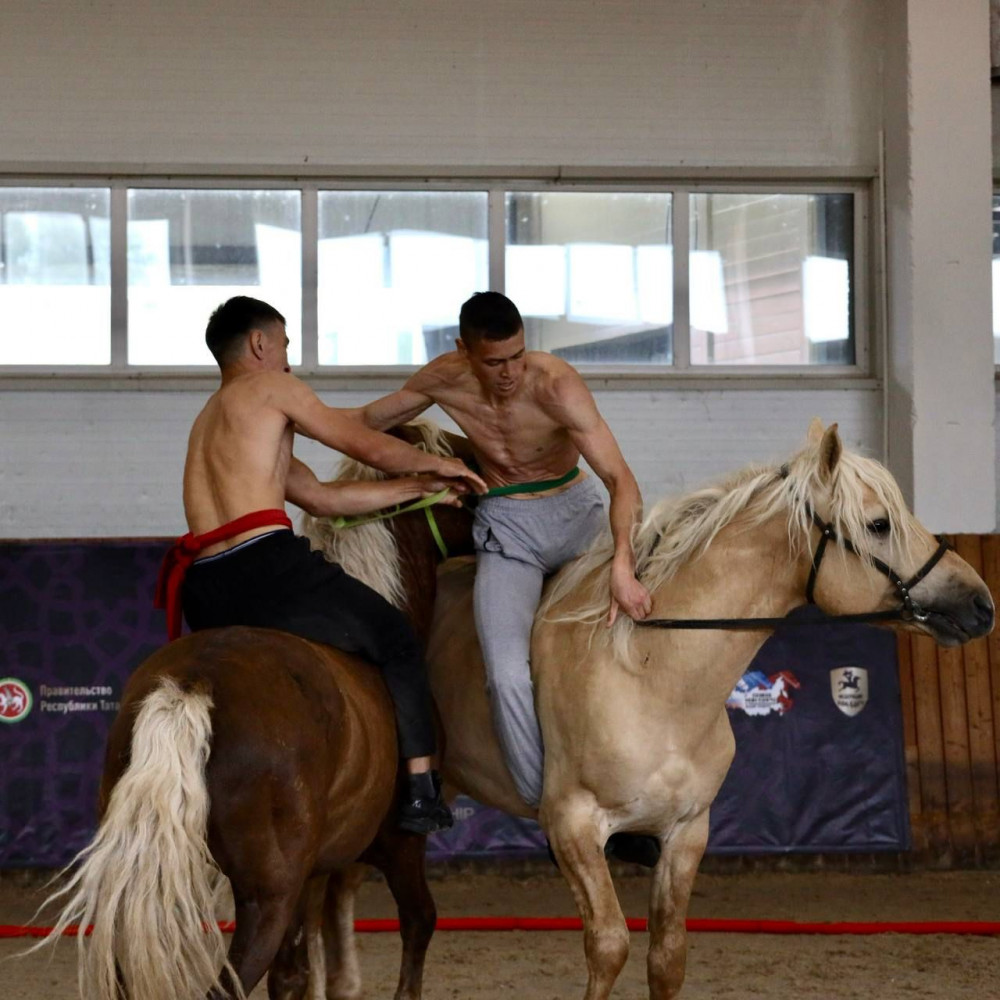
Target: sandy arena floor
x=545, y=966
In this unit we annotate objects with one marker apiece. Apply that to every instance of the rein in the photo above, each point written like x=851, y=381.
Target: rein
x=425, y=504
x=908, y=611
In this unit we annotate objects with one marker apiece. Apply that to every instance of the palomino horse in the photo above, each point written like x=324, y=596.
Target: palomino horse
x=257, y=755
x=637, y=737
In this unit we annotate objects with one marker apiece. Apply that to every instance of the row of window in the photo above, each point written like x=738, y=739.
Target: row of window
x=759, y=277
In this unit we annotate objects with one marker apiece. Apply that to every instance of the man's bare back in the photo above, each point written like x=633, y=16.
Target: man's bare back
x=238, y=456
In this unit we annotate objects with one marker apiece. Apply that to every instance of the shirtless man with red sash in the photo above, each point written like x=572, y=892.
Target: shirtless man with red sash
x=241, y=564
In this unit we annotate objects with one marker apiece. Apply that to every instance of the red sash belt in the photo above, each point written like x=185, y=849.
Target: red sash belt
x=185, y=550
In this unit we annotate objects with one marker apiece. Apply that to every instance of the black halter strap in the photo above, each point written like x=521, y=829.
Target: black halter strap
x=909, y=610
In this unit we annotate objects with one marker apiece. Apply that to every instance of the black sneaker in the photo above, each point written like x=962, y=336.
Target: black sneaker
x=635, y=848
x=423, y=809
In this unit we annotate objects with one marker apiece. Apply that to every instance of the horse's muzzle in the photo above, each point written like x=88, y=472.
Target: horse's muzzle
x=958, y=620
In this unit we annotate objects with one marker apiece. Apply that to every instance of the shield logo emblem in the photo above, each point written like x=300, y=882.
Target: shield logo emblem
x=849, y=687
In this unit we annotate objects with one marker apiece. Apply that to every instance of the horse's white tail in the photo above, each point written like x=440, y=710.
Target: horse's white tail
x=147, y=882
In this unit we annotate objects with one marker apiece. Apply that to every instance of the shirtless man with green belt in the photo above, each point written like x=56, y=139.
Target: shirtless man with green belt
x=529, y=417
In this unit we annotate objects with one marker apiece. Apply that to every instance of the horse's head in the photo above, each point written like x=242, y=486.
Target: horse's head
x=867, y=552
x=829, y=526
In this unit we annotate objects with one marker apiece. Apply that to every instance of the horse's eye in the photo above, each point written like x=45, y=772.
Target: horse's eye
x=879, y=527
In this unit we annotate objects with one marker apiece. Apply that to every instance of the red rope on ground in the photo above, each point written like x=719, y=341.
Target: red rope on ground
x=968, y=927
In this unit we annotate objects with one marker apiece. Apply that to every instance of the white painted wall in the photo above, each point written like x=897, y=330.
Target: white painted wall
x=107, y=464
x=385, y=82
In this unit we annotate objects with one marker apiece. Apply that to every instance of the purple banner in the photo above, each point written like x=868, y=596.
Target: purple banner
x=819, y=750
x=75, y=621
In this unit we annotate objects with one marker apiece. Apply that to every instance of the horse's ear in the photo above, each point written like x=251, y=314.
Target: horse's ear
x=829, y=452
x=815, y=433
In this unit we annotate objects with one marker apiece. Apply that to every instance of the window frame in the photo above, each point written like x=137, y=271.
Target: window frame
x=866, y=286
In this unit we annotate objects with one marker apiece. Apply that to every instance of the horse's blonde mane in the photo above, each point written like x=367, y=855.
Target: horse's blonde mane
x=368, y=552
x=680, y=529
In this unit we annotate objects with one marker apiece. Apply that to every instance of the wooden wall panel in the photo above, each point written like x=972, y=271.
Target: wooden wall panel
x=911, y=749
x=991, y=574
x=930, y=743
x=979, y=705
x=951, y=733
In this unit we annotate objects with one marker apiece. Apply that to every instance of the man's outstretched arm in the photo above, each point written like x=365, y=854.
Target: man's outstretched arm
x=347, y=498
x=337, y=429
x=572, y=404
x=405, y=404
x=390, y=411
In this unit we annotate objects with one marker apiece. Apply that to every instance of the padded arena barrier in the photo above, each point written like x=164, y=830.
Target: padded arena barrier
x=819, y=763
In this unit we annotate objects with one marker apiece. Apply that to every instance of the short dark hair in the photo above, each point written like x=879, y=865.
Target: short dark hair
x=488, y=316
x=234, y=319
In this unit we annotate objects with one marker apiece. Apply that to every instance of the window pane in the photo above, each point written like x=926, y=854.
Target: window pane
x=394, y=270
x=770, y=279
x=592, y=274
x=189, y=251
x=55, y=264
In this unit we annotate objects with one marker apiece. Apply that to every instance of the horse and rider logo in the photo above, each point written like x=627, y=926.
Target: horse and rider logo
x=849, y=687
x=15, y=700
x=756, y=693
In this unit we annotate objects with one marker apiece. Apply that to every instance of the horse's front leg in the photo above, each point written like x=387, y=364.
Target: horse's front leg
x=577, y=837
x=670, y=893
x=343, y=971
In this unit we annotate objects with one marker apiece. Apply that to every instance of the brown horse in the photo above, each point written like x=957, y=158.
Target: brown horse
x=265, y=758
x=637, y=736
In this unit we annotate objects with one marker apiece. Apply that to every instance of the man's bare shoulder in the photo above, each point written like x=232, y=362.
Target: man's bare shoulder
x=441, y=373
x=555, y=380
x=266, y=388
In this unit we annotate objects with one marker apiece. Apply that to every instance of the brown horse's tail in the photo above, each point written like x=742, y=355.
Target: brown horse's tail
x=147, y=882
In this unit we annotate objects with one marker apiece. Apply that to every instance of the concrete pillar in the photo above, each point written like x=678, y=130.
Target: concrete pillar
x=939, y=377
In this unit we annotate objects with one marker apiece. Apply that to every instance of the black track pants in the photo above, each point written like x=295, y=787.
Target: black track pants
x=275, y=581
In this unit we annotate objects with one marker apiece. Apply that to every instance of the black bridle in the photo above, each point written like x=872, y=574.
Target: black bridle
x=908, y=611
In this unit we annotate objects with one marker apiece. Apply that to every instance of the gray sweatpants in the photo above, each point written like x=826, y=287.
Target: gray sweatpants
x=518, y=544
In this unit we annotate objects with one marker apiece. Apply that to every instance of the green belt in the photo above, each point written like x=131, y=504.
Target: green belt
x=539, y=487
x=425, y=504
